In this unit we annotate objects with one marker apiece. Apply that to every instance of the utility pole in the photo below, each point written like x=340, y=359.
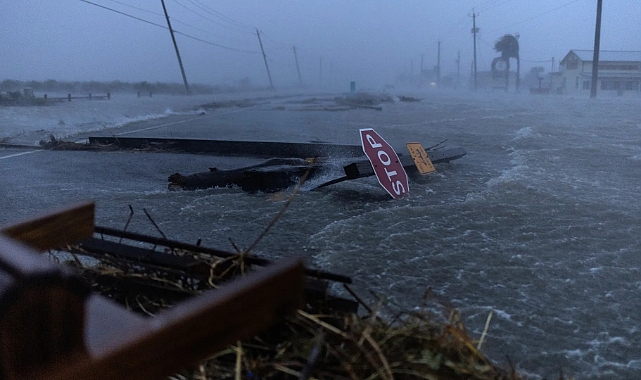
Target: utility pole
x=474, y=31
x=300, y=81
x=458, y=69
x=438, y=65
x=597, y=43
x=551, y=71
x=271, y=84
x=320, y=73
x=180, y=62
x=331, y=74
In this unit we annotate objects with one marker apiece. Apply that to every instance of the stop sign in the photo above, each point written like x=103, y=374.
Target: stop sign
x=387, y=166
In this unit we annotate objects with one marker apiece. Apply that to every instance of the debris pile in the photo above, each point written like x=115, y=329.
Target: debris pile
x=331, y=337
x=350, y=101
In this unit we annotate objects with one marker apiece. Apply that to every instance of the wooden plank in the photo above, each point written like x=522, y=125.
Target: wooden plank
x=363, y=168
x=99, y=248
x=42, y=311
x=56, y=229
x=192, y=331
x=250, y=259
x=266, y=149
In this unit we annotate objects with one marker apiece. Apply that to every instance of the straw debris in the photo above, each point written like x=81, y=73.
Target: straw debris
x=431, y=343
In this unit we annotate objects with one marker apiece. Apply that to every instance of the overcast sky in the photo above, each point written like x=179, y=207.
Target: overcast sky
x=367, y=41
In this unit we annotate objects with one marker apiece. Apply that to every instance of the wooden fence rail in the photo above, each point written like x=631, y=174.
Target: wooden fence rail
x=90, y=96
x=53, y=327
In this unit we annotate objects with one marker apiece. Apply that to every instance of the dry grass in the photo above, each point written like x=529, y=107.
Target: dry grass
x=431, y=343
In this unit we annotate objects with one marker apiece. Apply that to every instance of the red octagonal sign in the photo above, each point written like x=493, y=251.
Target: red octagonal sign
x=387, y=166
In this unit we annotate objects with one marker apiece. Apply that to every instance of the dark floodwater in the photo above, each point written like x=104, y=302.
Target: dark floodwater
x=539, y=222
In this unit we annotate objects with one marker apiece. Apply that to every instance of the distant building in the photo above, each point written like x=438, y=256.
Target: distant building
x=619, y=72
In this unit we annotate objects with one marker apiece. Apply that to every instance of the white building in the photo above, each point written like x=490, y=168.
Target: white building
x=619, y=72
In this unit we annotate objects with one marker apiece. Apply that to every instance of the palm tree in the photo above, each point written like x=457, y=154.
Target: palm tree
x=508, y=46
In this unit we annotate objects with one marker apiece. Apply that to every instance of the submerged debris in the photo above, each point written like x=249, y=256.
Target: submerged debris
x=408, y=99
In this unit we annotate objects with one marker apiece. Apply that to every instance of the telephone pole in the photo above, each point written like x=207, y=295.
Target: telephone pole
x=300, y=81
x=458, y=69
x=271, y=84
x=320, y=73
x=474, y=31
x=180, y=62
x=438, y=65
x=597, y=43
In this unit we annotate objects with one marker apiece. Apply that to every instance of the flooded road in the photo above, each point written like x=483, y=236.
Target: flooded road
x=539, y=223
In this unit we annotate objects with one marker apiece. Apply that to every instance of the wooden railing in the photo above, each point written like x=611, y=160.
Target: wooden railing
x=53, y=327
x=90, y=96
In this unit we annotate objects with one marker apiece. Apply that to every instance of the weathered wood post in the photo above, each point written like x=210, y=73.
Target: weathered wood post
x=90, y=96
x=109, y=96
x=69, y=97
x=45, y=98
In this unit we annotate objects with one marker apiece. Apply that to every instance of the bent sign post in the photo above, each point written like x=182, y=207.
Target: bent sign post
x=387, y=166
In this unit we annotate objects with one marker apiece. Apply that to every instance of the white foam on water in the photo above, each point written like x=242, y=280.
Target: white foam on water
x=526, y=133
x=30, y=124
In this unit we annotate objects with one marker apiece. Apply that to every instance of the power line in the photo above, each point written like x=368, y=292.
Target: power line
x=223, y=17
x=215, y=44
x=124, y=14
x=485, y=42
x=486, y=4
x=276, y=42
x=481, y=51
x=496, y=4
x=174, y=20
x=140, y=9
x=539, y=15
x=175, y=31
x=281, y=63
x=199, y=14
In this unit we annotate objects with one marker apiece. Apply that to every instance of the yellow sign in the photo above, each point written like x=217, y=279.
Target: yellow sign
x=420, y=157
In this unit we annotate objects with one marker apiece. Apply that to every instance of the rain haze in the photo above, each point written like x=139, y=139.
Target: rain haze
x=532, y=216
x=369, y=42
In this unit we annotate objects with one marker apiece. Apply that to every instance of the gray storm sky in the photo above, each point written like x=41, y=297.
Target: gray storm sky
x=367, y=41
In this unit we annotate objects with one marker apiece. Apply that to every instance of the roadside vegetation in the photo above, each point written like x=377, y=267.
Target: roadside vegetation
x=54, y=86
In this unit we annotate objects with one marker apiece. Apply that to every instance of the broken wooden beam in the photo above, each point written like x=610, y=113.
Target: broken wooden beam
x=363, y=168
x=187, y=333
x=249, y=259
x=272, y=175
x=179, y=268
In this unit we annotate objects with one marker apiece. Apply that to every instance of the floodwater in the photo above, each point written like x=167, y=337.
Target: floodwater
x=539, y=223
